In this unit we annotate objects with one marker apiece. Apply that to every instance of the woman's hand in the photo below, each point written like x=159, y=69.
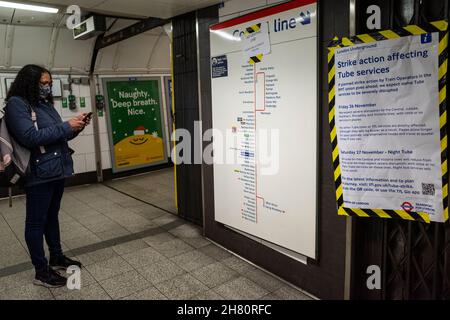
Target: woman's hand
x=85, y=118
x=76, y=124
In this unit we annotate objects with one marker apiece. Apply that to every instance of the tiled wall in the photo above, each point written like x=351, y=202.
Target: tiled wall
x=84, y=156
x=235, y=8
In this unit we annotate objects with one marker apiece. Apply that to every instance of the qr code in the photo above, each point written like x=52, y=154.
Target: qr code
x=428, y=189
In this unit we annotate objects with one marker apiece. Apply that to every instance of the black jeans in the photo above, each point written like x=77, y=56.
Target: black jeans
x=43, y=203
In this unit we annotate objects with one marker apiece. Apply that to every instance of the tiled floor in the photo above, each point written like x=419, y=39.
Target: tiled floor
x=132, y=249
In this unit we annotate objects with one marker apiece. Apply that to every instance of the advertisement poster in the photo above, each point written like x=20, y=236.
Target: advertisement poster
x=388, y=125
x=135, y=119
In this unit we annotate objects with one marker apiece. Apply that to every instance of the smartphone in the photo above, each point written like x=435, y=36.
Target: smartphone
x=88, y=116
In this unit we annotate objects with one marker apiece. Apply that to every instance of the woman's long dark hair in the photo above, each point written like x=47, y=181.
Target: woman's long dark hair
x=26, y=84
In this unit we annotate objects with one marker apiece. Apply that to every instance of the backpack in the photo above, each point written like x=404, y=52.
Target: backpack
x=14, y=158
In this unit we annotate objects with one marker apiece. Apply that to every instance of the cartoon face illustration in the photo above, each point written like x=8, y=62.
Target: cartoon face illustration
x=139, y=148
x=139, y=140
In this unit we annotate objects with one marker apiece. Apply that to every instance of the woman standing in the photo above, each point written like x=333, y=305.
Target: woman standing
x=50, y=164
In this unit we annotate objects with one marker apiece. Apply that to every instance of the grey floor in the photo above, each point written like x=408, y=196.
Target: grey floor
x=132, y=250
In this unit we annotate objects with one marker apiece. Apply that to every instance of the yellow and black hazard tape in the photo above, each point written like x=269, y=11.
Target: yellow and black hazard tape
x=249, y=31
x=252, y=29
x=411, y=30
x=255, y=59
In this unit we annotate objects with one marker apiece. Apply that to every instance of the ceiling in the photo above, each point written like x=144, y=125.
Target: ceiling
x=23, y=17
x=138, y=9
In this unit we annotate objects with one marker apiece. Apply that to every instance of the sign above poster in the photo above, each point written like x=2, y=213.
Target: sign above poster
x=256, y=40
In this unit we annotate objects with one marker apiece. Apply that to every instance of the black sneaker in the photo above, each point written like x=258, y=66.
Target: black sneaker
x=49, y=278
x=62, y=262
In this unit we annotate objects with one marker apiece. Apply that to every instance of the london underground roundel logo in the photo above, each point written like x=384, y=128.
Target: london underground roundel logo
x=407, y=206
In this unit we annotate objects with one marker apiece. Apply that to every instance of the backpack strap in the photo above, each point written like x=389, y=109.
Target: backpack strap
x=34, y=119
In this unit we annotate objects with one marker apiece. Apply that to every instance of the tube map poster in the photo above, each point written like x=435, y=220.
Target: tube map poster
x=135, y=123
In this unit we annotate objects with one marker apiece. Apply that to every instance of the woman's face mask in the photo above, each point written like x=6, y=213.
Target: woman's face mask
x=45, y=87
x=44, y=90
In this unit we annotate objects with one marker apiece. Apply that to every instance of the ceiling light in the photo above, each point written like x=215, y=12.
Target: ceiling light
x=21, y=6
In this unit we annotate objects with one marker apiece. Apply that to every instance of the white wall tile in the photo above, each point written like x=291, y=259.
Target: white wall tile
x=102, y=126
x=106, y=160
x=58, y=105
x=90, y=162
x=79, y=163
x=88, y=131
x=104, y=142
x=76, y=90
x=83, y=144
x=85, y=91
x=68, y=114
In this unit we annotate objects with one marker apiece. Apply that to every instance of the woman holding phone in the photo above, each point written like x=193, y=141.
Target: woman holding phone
x=50, y=164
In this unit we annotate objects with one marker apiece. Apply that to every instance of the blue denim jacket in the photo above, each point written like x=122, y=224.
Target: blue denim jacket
x=53, y=134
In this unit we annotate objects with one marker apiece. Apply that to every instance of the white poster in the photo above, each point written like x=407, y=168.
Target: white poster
x=388, y=126
x=267, y=113
x=257, y=42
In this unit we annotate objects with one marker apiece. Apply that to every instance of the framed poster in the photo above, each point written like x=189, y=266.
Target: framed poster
x=136, y=130
x=388, y=123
